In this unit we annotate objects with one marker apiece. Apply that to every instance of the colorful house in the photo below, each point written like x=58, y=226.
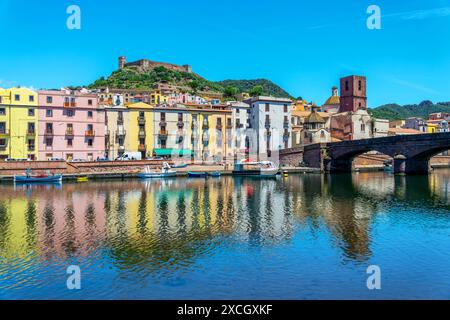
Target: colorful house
x=140, y=130
x=71, y=125
x=18, y=123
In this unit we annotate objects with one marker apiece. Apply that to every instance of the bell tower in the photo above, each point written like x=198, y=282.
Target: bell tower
x=353, y=94
x=122, y=62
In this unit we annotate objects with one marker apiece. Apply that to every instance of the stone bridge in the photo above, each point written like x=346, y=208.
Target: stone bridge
x=411, y=153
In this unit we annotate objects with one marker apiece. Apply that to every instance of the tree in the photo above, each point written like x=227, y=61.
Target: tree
x=256, y=91
x=231, y=92
x=195, y=86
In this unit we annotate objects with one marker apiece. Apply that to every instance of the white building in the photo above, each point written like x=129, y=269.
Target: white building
x=270, y=121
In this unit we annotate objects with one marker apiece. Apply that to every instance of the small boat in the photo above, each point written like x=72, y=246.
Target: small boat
x=28, y=177
x=82, y=179
x=256, y=169
x=215, y=174
x=180, y=166
x=165, y=172
x=192, y=174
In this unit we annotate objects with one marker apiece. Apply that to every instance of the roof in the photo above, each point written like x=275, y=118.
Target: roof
x=315, y=117
x=305, y=114
x=139, y=105
x=404, y=131
x=333, y=100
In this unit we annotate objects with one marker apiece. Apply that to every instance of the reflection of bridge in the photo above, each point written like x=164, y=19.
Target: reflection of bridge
x=411, y=153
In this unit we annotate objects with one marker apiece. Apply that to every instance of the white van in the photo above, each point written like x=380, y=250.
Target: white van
x=128, y=156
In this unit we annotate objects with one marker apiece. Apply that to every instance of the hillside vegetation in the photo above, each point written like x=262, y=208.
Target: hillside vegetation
x=397, y=112
x=132, y=78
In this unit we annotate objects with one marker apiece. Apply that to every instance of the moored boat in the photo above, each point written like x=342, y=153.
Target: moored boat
x=192, y=174
x=215, y=174
x=28, y=177
x=179, y=165
x=165, y=172
x=256, y=169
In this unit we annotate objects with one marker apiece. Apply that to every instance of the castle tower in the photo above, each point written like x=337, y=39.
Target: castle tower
x=353, y=94
x=187, y=68
x=122, y=62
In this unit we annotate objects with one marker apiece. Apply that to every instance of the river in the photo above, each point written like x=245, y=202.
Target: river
x=307, y=236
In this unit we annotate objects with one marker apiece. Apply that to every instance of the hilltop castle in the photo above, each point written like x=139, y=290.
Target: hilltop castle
x=146, y=65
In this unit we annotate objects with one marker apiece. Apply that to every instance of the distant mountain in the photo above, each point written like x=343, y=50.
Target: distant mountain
x=397, y=112
x=132, y=77
x=268, y=87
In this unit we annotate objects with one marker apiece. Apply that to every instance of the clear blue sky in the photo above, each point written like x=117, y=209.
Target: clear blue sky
x=304, y=46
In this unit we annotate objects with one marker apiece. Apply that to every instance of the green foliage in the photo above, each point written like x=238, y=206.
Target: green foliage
x=398, y=112
x=268, y=87
x=132, y=78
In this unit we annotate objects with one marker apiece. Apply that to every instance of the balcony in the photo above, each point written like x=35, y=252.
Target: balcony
x=286, y=124
x=142, y=148
x=229, y=126
x=69, y=132
x=205, y=126
x=89, y=133
x=69, y=104
x=163, y=134
x=142, y=134
x=163, y=123
x=267, y=125
x=119, y=121
x=4, y=133
x=219, y=126
x=31, y=132
x=48, y=133
x=180, y=124
x=31, y=147
x=141, y=121
x=120, y=132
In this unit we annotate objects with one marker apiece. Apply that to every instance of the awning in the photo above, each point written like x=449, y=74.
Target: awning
x=170, y=152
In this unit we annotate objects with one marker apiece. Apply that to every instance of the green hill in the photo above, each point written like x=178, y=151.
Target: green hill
x=132, y=78
x=397, y=112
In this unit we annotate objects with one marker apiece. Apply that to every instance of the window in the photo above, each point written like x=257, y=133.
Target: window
x=90, y=114
x=70, y=113
x=141, y=114
x=17, y=97
x=49, y=99
x=237, y=111
x=49, y=113
x=0, y=99
x=285, y=108
x=163, y=116
x=31, y=112
x=90, y=127
x=90, y=142
x=2, y=127
x=90, y=102
x=49, y=128
x=49, y=142
x=31, y=98
x=70, y=142
x=359, y=85
x=267, y=107
x=363, y=127
x=2, y=143
x=2, y=111
x=31, y=144
x=180, y=117
x=30, y=129
x=346, y=85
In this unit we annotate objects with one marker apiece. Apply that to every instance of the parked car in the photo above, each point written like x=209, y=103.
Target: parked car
x=16, y=160
x=128, y=156
x=55, y=159
x=77, y=160
x=103, y=159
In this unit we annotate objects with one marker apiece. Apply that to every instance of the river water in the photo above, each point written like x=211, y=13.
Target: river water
x=306, y=236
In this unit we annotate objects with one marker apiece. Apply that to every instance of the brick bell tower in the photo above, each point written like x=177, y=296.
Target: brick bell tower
x=353, y=94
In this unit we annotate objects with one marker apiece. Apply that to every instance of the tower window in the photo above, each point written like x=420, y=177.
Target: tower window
x=346, y=85
x=359, y=85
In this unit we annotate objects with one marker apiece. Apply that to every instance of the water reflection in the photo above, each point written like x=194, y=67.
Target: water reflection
x=153, y=228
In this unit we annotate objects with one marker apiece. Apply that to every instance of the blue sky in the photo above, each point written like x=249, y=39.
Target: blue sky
x=304, y=46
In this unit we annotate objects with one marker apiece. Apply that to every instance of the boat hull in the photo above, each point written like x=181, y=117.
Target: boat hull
x=156, y=175
x=197, y=174
x=50, y=179
x=215, y=174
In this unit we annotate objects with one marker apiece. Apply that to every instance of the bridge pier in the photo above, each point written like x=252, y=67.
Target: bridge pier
x=339, y=165
x=417, y=166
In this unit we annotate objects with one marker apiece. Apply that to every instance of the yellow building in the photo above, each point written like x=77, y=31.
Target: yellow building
x=117, y=141
x=432, y=127
x=18, y=123
x=140, y=128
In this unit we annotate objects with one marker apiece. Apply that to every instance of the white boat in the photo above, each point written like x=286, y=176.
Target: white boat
x=256, y=169
x=165, y=172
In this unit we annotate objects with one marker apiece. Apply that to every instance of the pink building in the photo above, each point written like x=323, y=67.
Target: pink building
x=71, y=125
